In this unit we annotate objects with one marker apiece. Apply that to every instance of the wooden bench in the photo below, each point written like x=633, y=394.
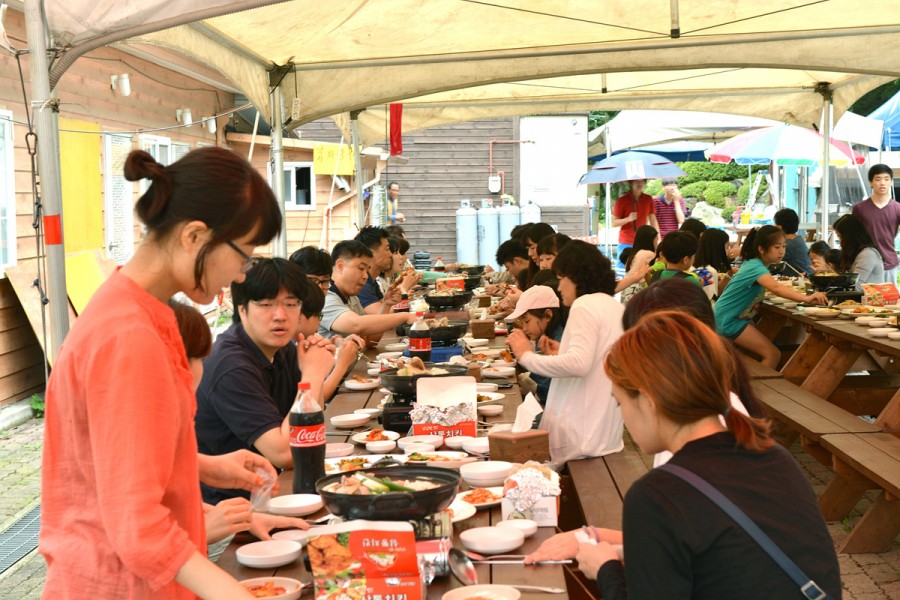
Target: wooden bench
x=757, y=370
x=801, y=413
x=861, y=462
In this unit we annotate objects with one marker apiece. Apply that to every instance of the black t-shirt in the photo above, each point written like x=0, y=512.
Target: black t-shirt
x=678, y=544
x=369, y=294
x=242, y=396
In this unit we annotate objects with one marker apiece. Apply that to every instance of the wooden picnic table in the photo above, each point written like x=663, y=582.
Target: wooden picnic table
x=347, y=402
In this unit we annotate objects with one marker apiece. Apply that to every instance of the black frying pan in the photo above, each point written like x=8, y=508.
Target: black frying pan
x=405, y=385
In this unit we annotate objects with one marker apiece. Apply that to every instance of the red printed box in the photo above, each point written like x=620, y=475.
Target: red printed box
x=461, y=428
x=881, y=294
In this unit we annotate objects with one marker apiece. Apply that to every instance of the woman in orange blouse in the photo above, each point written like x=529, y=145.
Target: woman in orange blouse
x=122, y=515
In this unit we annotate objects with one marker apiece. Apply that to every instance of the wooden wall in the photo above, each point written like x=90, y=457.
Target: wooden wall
x=446, y=164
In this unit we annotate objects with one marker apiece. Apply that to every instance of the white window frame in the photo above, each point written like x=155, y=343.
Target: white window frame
x=290, y=203
x=8, y=187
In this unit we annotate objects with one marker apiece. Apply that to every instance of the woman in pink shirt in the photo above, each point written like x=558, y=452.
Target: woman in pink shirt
x=121, y=510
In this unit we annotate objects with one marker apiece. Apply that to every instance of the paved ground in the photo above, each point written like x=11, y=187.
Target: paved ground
x=865, y=576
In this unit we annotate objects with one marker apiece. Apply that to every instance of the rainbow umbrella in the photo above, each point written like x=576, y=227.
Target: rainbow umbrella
x=785, y=145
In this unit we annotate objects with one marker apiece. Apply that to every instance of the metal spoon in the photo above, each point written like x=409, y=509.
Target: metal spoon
x=464, y=571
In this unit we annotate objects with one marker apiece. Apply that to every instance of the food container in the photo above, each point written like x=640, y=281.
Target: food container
x=483, y=328
x=533, y=444
x=483, y=300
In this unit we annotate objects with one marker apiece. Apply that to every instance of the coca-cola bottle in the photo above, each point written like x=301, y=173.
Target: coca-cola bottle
x=420, y=338
x=439, y=265
x=307, y=423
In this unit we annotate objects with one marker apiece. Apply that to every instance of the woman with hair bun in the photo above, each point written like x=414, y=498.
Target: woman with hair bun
x=121, y=510
x=677, y=542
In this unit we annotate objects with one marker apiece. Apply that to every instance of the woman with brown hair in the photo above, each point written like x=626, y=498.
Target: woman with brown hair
x=677, y=542
x=121, y=510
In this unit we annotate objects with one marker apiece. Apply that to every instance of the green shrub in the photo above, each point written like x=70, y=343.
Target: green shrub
x=744, y=191
x=694, y=190
x=654, y=188
x=716, y=191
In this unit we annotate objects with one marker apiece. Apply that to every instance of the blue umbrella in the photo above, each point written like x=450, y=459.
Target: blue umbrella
x=628, y=166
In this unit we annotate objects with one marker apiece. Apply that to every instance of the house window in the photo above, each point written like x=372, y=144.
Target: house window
x=299, y=186
x=7, y=192
x=164, y=150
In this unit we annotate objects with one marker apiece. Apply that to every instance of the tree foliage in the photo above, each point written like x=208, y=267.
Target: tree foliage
x=875, y=98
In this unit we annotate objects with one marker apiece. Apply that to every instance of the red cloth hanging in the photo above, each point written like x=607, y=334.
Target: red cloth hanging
x=396, y=129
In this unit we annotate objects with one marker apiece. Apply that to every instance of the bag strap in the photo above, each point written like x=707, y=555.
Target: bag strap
x=809, y=588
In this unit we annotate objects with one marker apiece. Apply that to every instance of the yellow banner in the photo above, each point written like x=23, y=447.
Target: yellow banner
x=328, y=156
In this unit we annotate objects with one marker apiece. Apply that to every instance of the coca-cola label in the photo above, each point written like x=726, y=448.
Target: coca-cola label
x=419, y=344
x=307, y=436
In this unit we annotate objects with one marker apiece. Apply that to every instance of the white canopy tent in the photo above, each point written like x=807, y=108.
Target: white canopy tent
x=456, y=60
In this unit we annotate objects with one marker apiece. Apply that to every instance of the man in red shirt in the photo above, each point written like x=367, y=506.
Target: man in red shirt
x=632, y=210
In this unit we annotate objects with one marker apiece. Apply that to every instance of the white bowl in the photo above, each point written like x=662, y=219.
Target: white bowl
x=349, y=421
x=789, y=304
x=294, y=535
x=367, y=411
x=362, y=437
x=778, y=299
x=475, y=342
x=295, y=505
x=373, y=372
x=485, y=387
x=492, y=540
x=881, y=331
x=894, y=335
x=374, y=364
x=336, y=450
x=878, y=322
x=526, y=526
x=434, y=440
x=456, y=442
x=864, y=320
x=486, y=473
x=498, y=372
x=411, y=448
x=496, y=592
x=477, y=446
x=293, y=588
x=396, y=347
x=490, y=410
x=269, y=554
x=390, y=355
x=382, y=447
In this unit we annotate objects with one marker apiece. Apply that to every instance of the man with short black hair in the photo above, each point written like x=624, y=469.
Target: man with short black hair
x=316, y=263
x=796, y=254
x=881, y=216
x=513, y=255
x=370, y=296
x=250, y=378
x=343, y=313
x=670, y=207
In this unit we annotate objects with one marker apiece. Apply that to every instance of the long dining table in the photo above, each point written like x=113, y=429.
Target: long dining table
x=347, y=401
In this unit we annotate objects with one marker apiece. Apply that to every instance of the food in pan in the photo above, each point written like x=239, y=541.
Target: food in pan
x=415, y=366
x=364, y=484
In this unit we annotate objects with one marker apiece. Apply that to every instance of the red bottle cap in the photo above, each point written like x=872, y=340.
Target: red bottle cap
x=304, y=385
x=420, y=314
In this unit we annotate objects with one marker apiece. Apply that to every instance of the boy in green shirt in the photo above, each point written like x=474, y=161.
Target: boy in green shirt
x=677, y=251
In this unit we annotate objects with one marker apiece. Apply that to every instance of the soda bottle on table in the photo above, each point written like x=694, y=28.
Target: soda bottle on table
x=307, y=423
x=420, y=338
x=439, y=265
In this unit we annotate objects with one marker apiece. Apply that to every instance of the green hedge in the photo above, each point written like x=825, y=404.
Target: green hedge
x=694, y=190
x=716, y=191
x=707, y=171
x=743, y=192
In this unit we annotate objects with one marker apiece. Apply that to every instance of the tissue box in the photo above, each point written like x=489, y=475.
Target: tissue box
x=482, y=328
x=484, y=301
x=881, y=294
x=545, y=512
x=533, y=444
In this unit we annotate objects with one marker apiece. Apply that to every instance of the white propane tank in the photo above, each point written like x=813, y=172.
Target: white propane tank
x=531, y=213
x=488, y=233
x=466, y=234
x=509, y=218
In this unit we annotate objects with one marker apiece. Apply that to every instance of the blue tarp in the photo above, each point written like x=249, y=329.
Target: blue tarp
x=889, y=112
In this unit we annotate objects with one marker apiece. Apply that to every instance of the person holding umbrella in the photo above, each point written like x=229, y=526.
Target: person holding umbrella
x=631, y=211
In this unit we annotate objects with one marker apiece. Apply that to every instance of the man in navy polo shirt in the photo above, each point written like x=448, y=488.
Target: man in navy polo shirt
x=250, y=378
x=371, y=296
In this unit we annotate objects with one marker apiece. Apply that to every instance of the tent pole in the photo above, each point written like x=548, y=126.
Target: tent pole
x=279, y=244
x=608, y=200
x=357, y=166
x=826, y=159
x=46, y=122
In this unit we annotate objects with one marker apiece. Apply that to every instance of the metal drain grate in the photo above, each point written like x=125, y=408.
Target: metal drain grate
x=20, y=538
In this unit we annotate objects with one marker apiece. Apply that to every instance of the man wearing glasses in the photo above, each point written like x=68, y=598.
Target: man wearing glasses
x=317, y=265
x=250, y=378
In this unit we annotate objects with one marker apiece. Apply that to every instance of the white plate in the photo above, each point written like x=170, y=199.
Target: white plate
x=777, y=300
x=373, y=372
x=455, y=460
x=880, y=332
x=462, y=511
x=492, y=540
x=456, y=442
x=486, y=473
x=396, y=347
x=894, y=335
x=349, y=421
x=789, y=304
x=381, y=447
x=389, y=355
x=498, y=491
x=878, y=322
x=360, y=438
x=335, y=450
x=870, y=311
x=295, y=505
x=369, y=384
x=367, y=411
x=333, y=465
x=268, y=554
x=477, y=446
x=484, y=388
x=490, y=410
x=526, y=526
x=502, y=363
x=491, y=397
x=293, y=588
x=434, y=440
x=498, y=372
x=294, y=535
x=475, y=342
x=819, y=311
x=495, y=592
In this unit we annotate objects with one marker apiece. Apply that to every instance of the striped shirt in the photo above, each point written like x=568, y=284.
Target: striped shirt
x=665, y=215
